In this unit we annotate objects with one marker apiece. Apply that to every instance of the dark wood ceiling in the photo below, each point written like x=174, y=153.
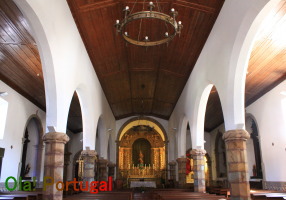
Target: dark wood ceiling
x=137, y=80
x=20, y=65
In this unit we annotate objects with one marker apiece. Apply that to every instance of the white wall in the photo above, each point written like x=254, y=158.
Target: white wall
x=270, y=114
x=32, y=149
x=19, y=111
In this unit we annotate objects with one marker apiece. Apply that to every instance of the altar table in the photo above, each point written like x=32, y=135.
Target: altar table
x=149, y=184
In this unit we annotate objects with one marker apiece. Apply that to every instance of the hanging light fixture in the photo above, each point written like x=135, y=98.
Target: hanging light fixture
x=166, y=36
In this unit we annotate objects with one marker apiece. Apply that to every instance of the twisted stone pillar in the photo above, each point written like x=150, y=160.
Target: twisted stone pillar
x=182, y=171
x=172, y=170
x=54, y=163
x=199, y=169
x=102, y=169
x=89, y=157
x=235, y=143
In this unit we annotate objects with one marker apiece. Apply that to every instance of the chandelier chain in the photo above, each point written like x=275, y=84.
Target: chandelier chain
x=140, y=26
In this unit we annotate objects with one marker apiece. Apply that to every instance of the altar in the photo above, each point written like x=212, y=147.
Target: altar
x=142, y=157
x=145, y=184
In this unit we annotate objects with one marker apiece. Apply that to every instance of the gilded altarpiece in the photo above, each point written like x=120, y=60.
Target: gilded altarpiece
x=153, y=166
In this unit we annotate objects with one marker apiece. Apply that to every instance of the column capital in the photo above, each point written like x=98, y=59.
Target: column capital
x=111, y=164
x=102, y=161
x=56, y=137
x=172, y=163
x=198, y=152
x=91, y=153
x=181, y=160
x=237, y=134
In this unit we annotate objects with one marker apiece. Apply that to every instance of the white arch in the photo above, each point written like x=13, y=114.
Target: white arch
x=46, y=60
x=246, y=25
x=182, y=136
x=198, y=117
x=90, y=116
x=66, y=65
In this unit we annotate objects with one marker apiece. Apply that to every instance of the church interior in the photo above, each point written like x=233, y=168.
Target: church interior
x=171, y=99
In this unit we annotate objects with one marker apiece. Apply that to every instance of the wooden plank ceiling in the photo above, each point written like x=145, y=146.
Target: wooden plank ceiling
x=266, y=68
x=135, y=80
x=20, y=64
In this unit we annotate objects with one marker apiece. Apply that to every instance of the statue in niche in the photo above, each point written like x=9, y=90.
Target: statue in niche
x=141, y=160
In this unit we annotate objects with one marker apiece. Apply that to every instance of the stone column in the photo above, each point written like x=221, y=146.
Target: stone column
x=102, y=169
x=111, y=169
x=182, y=171
x=235, y=143
x=89, y=157
x=210, y=173
x=199, y=169
x=39, y=151
x=172, y=170
x=54, y=163
x=66, y=164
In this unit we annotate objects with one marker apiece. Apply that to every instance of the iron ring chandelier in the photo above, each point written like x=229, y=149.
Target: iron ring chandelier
x=149, y=14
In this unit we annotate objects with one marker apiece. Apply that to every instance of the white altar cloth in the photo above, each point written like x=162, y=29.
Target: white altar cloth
x=150, y=184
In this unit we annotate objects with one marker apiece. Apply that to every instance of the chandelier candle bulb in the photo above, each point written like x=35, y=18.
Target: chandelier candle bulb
x=166, y=34
x=127, y=8
x=146, y=37
x=117, y=21
x=173, y=10
x=179, y=22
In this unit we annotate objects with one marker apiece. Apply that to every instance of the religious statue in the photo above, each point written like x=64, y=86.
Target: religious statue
x=141, y=161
